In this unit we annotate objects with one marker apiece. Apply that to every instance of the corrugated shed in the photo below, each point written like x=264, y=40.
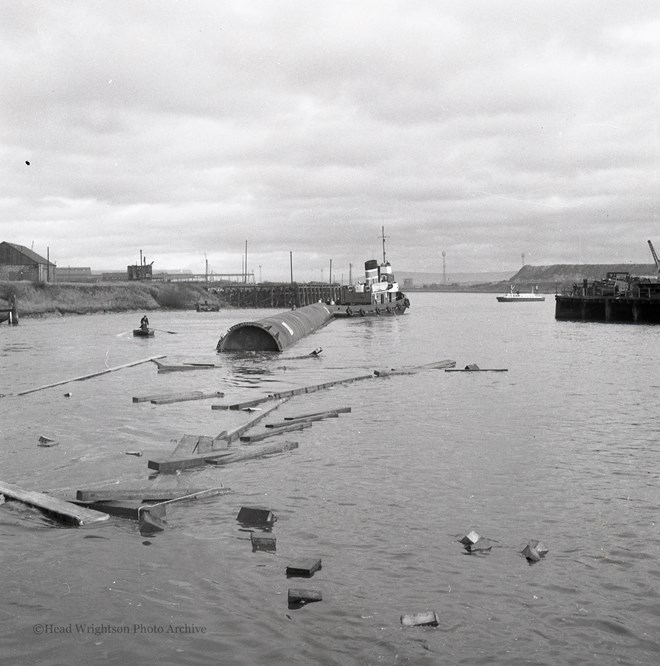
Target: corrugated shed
x=12, y=254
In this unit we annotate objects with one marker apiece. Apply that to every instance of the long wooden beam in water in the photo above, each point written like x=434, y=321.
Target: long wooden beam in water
x=89, y=376
x=59, y=509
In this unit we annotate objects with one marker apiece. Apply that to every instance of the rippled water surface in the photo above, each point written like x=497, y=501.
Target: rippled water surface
x=563, y=448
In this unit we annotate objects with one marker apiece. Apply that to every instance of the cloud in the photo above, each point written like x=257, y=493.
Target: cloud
x=186, y=128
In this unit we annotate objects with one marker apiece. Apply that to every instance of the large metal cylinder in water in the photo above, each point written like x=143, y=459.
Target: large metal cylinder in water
x=275, y=333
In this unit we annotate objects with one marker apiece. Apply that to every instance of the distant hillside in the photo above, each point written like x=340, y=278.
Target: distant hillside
x=563, y=273
x=420, y=279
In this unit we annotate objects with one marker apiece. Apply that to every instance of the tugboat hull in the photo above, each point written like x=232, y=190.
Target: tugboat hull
x=371, y=310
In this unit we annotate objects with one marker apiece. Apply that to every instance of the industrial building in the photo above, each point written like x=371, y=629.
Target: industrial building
x=21, y=263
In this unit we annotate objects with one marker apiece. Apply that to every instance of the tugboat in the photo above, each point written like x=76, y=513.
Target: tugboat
x=378, y=295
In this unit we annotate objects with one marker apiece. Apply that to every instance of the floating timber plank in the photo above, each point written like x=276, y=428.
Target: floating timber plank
x=146, y=494
x=466, y=369
x=413, y=369
x=246, y=453
x=275, y=431
x=185, y=446
x=59, y=509
x=93, y=374
x=204, y=444
x=118, y=508
x=304, y=567
x=235, y=434
x=338, y=410
x=183, y=397
x=166, y=367
x=149, y=398
x=185, y=462
x=302, y=419
x=298, y=391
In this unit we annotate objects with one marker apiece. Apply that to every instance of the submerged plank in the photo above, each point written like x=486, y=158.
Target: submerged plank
x=302, y=419
x=338, y=410
x=59, y=509
x=253, y=452
x=273, y=432
x=145, y=494
x=183, y=397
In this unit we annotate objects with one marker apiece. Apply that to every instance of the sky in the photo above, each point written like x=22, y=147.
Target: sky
x=482, y=129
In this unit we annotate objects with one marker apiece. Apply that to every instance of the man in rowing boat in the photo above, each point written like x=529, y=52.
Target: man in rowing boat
x=144, y=323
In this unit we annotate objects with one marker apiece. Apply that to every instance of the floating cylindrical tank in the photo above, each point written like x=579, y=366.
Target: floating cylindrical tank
x=275, y=333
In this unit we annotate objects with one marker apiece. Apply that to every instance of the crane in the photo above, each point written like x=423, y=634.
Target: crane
x=655, y=256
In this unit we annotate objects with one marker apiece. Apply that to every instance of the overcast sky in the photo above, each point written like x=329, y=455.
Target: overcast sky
x=185, y=129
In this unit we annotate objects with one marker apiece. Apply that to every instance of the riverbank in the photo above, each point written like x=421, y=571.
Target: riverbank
x=62, y=299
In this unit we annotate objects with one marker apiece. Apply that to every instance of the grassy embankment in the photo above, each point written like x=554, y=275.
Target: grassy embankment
x=59, y=299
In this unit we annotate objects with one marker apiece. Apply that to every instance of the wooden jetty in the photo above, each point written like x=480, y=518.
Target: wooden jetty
x=10, y=314
x=285, y=295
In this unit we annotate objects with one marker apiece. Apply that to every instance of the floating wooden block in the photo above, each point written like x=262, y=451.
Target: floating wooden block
x=425, y=619
x=255, y=515
x=470, y=538
x=262, y=541
x=304, y=567
x=300, y=596
x=46, y=441
x=151, y=519
x=534, y=551
x=482, y=546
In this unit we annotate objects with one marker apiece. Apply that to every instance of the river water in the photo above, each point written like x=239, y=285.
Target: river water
x=563, y=448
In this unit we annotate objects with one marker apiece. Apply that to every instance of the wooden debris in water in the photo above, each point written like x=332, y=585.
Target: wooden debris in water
x=302, y=419
x=473, y=367
x=534, y=551
x=424, y=619
x=46, y=441
x=255, y=516
x=61, y=510
x=263, y=541
x=151, y=519
x=275, y=431
x=299, y=597
x=147, y=494
x=92, y=374
x=305, y=567
x=337, y=410
x=249, y=453
x=167, y=398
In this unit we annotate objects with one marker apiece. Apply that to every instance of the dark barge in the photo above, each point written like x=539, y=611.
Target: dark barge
x=619, y=298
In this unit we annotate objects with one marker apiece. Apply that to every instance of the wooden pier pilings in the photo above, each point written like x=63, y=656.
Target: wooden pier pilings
x=10, y=314
x=285, y=295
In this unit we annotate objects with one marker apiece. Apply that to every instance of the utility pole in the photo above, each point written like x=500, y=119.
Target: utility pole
x=291, y=264
x=259, y=273
x=206, y=269
x=444, y=268
x=245, y=278
x=330, y=274
x=350, y=274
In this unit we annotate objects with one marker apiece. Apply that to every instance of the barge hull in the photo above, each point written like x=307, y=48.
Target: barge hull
x=608, y=309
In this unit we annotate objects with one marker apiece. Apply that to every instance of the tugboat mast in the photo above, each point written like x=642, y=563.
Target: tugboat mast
x=383, y=236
